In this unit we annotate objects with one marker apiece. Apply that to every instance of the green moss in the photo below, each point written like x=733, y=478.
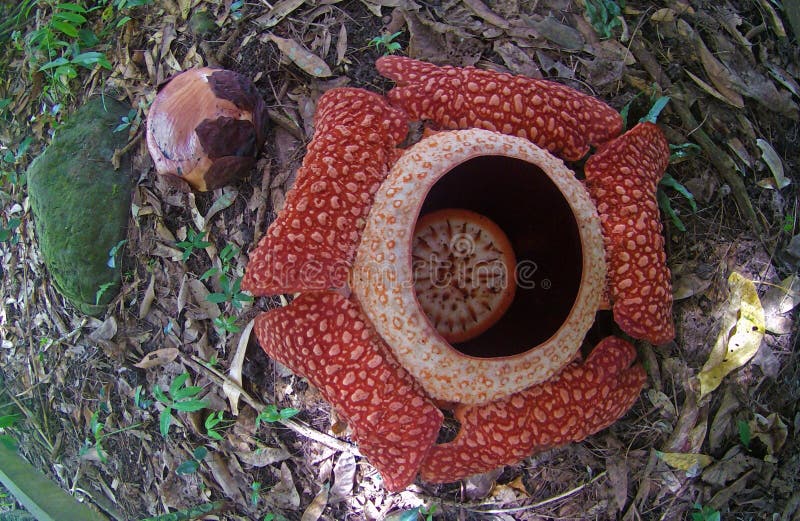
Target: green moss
x=81, y=204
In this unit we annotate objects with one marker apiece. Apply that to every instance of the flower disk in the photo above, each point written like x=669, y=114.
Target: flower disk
x=557, y=118
x=324, y=337
x=622, y=178
x=311, y=244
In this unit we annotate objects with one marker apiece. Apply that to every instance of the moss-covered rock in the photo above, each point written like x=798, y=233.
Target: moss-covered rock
x=81, y=204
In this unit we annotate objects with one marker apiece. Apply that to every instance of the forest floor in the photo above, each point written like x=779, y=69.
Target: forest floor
x=731, y=72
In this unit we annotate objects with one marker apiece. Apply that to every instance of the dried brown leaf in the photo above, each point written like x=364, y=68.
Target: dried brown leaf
x=218, y=464
x=344, y=473
x=489, y=16
x=279, y=11
x=147, y=298
x=516, y=59
x=617, y=469
x=723, y=419
x=775, y=165
x=264, y=456
x=729, y=468
x=284, y=494
x=235, y=370
x=341, y=45
x=302, y=57
x=158, y=357
x=560, y=34
x=199, y=294
x=314, y=510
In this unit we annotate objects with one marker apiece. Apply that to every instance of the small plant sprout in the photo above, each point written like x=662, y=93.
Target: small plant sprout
x=667, y=181
x=271, y=414
x=705, y=513
x=7, y=422
x=386, y=41
x=139, y=400
x=194, y=241
x=132, y=119
x=191, y=466
x=98, y=436
x=101, y=291
x=255, y=492
x=224, y=323
x=604, y=15
x=113, y=252
x=181, y=398
x=8, y=231
x=214, y=422
x=231, y=292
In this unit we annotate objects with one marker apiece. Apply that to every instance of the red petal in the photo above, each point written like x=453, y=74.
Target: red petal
x=580, y=401
x=311, y=244
x=325, y=338
x=622, y=177
x=554, y=116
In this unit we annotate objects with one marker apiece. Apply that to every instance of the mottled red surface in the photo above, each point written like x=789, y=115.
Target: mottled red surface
x=324, y=337
x=622, y=178
x=551, y=115
x=581, y=400
x=311, y=243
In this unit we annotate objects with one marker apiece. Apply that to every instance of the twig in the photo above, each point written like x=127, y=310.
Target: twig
x=723, y=164
x=115, y=159
x=295, y=425
x=538, y=504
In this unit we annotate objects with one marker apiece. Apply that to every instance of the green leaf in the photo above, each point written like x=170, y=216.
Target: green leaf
x=177, y=383
x=9, y=420
x=288, y=412
x=209, y=273
x=200, y=453
x=90, y=59
x=669, y=181
x=58, y=62
x=70, y=17
x=656, y=109
x=187, y=467
x=186, y=392
x=160, y=396
x=66, y=28
x=72, y=7
x=217, y=298
x=666, y=206
x=191, y=405
x=164, y=421
x=745, y=435
x=679, y=153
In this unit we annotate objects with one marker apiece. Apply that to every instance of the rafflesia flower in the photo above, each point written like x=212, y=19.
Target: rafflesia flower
x=464, y=272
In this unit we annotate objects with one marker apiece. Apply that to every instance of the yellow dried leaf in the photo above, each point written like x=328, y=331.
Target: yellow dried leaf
x=665, y=15
x=740, y=337
x=687, y=462
x=302, y=57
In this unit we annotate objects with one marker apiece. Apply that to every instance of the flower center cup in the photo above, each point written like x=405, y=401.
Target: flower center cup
x=481, y=264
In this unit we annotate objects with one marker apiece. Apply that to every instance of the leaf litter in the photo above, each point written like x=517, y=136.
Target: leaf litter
x=733, y=66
